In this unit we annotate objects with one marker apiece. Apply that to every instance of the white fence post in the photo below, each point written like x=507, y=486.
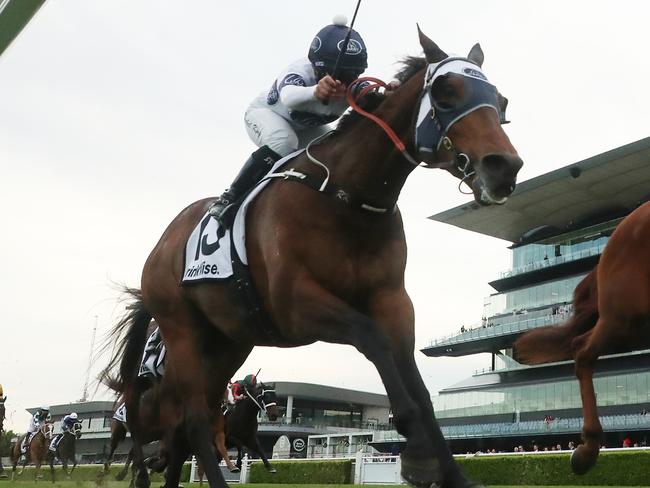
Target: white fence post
x=358, y=467
x=398, y=470
x=244, y=474
x=193, y=469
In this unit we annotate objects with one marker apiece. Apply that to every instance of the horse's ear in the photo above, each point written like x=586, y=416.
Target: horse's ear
x=431, y=50
x=476, y=54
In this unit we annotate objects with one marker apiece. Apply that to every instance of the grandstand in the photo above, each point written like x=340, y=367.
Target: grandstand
x=558, y=224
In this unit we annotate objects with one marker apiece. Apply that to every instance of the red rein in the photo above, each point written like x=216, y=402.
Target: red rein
x=375, y=84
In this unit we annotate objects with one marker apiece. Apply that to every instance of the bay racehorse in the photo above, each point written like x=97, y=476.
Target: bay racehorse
x=329, y=265
x=36, y=450
x=144, y=415
x=241, y=426
x=611, y=314
x=66, y=450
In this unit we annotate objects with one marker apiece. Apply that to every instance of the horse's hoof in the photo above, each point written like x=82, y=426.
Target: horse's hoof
x=234, y=470
x=120, y=476
x=583, y=459
x=421, y=472
x=272, y=470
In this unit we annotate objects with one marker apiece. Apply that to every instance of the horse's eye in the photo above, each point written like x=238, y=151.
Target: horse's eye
x=445, y=95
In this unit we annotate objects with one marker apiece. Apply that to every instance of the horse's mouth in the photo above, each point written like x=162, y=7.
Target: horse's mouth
x=486, y=198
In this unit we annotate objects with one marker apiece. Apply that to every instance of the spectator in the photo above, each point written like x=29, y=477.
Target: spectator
x=572, y=445
x=535, y=448
x=558, y=447
x=627, y=442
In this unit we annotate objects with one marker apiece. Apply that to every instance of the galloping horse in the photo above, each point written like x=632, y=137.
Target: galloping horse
x=36, y=451
x=241, y=426
x=611, y=313
x=329, y=265
x=65, y=450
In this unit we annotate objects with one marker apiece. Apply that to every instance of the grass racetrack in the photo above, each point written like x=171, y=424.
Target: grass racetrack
x=45, y=483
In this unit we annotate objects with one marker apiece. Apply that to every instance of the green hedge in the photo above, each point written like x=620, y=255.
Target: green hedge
x=90, y=472
x=612, y=469
x=304, y=472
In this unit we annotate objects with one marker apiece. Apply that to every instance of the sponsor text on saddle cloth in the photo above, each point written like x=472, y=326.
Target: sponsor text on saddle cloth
x=208, y=252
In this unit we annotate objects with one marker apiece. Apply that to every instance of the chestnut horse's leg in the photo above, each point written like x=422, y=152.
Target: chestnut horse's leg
x=587, y=348
x=178, y=452
x=118, y=434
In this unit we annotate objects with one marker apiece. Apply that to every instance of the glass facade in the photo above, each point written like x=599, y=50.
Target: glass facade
x=621, y=389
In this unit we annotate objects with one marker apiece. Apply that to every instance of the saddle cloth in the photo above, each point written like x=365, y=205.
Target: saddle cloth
x=208, y=252
x=120, y=413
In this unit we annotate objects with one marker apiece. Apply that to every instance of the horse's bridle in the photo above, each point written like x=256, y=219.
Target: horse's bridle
x=261, y=405
x=431, y=125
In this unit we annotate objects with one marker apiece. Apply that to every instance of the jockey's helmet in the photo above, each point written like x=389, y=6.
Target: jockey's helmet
x=74, y=416
x=44, y=408
x=327, y=44
x=1, y=392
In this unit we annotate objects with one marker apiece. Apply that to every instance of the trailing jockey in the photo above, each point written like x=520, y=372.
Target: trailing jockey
x=305, y=97
x=41, y=416
x=237, y=391
x=66, y=426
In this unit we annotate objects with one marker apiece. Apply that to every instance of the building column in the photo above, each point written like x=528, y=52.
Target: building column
x=288, y=414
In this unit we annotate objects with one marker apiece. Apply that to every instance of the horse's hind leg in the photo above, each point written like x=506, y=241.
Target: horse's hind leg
x=255, y=446
x=125, y=470
x=587, y=349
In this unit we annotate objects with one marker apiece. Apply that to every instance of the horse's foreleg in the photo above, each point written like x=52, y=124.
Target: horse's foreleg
x=255, y=446
x=333, y=320
x=125, y=470
x=585, y=455
x=178, y=452
x=52, y=471
x=394, y=314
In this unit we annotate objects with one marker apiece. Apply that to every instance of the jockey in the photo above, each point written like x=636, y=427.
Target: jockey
x=305, y=97
x=41, y=416
x=239, y=388
x=66, y=426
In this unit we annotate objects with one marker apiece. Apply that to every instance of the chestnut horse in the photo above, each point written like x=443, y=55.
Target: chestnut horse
x=611, y=314
x=329, y=266
x=36, y=451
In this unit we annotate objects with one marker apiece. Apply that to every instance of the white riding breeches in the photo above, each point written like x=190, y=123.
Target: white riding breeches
x=265, y=127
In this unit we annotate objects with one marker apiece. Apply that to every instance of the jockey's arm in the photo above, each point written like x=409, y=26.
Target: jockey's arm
x=310, y=98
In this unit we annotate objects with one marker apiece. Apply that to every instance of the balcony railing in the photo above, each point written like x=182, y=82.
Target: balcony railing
x=533, y=427
x=553, y=261
x=489, y=330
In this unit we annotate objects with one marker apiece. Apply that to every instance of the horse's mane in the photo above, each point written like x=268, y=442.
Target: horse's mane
x=370, y=102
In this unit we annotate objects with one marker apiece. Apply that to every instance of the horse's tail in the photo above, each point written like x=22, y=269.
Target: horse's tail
x=554, y=343
x=128, y=338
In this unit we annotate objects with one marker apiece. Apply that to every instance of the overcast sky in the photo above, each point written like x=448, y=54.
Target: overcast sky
x=114, y=115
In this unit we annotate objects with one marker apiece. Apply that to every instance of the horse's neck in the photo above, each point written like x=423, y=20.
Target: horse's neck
x=367, y=162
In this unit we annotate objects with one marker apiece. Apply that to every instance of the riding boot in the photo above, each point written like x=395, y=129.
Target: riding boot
x=259, y=163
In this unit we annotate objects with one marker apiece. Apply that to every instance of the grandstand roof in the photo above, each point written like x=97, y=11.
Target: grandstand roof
x=602, y=187
x=14, y=16
x=310, y=391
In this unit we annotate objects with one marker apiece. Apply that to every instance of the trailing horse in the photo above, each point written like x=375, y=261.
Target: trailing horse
x=65, y=450
x=36, y=451
x=611, y=314
x=241, y=426
x=326, y=254
x=241, y=422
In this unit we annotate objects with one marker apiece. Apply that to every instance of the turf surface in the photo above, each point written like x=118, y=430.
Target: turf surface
x=45, y=483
